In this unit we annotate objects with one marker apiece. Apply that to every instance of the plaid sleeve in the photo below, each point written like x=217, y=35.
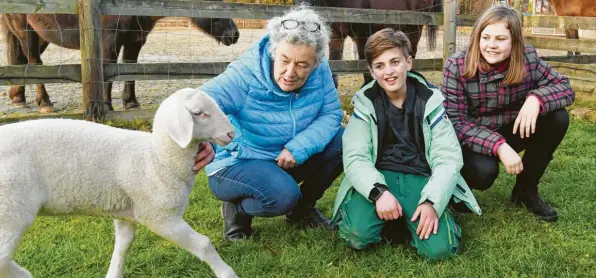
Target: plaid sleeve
x=554, y=90
x=478, y=138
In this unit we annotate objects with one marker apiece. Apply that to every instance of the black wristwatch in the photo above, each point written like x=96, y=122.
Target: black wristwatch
x=377, y=191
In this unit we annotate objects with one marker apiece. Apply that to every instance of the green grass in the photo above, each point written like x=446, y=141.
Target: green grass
x=506, y=241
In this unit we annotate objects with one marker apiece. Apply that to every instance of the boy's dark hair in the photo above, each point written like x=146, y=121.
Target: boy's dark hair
x=384, y=40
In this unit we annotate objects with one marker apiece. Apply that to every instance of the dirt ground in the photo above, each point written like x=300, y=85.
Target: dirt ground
x=175, y=45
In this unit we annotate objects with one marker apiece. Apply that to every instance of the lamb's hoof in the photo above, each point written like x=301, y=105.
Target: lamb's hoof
x=131, y=105
x=46, y=109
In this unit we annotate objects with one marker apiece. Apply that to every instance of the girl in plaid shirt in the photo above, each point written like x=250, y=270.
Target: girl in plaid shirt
x=502, y=99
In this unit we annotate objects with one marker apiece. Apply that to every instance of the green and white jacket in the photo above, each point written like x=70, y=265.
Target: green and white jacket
x=442, y=148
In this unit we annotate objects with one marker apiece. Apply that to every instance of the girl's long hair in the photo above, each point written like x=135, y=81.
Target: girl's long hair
x=474, y=60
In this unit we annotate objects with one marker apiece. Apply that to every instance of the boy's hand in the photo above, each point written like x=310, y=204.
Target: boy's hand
x=429, y=221
x=388, y=207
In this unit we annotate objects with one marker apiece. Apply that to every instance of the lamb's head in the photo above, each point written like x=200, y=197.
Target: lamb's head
x=190, y=115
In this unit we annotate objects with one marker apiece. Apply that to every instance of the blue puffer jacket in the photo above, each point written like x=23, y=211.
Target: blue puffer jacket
x=266, y=119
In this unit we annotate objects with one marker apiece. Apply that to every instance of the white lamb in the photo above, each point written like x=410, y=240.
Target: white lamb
x=59, y=166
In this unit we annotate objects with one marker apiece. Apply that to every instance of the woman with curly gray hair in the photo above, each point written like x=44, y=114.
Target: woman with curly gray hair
x=282, y=101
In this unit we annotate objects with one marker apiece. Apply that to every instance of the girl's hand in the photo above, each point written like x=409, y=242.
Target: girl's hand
x=511, y=160
x=526, y=119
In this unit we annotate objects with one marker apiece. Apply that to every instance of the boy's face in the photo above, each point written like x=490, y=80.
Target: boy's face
x=390, y=70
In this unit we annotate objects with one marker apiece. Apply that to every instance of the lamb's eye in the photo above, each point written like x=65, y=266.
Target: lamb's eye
x=198, y=113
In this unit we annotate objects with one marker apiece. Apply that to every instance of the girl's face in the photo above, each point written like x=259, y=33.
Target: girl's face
x=495, y=43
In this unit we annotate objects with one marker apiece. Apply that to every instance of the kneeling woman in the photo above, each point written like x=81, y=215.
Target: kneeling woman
x=401, y=157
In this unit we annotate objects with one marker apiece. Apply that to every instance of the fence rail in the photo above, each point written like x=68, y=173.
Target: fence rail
x=71, y=73
x=185, y=8
x=39, y=6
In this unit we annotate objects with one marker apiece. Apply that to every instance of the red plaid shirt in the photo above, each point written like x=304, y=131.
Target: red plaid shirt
x=480, y=105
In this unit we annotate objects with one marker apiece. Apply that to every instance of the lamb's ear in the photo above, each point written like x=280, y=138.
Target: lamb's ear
x=180, y=127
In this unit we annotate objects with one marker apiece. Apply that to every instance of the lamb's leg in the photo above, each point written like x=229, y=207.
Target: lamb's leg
x=125, y=234
x=11, y=232
x=180, y=233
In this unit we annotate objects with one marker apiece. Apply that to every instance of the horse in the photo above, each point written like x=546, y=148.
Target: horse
x=28, y=35
x=572, y=8
x=359, y=32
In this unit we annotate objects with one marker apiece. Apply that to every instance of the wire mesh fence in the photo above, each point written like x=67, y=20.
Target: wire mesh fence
x=172, y=40
x=171, y=35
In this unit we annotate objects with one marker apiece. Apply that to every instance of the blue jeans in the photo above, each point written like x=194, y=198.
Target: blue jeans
x=261, y=188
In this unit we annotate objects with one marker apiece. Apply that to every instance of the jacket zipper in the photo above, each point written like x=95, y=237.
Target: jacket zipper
x=293, y=119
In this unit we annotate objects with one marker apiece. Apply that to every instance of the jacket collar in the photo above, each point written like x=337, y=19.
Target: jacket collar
x=496, y=72
x=429, y=93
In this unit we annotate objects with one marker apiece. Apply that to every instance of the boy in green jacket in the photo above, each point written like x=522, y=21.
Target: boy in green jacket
x=401, y=157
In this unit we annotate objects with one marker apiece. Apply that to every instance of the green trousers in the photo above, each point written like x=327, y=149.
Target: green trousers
x=360, y=227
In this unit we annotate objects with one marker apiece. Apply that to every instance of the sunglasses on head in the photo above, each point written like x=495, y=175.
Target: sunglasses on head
x=306, y=25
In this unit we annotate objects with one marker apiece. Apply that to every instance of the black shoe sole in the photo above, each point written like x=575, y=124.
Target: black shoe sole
x=547, y=218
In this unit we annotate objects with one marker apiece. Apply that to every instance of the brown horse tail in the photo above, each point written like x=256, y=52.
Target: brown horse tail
x=14, y=51
x=432, y=29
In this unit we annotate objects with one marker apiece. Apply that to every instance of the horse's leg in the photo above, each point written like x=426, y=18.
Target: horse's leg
x=360, y=41
x=336, y=49
x=110, y=54
x=574, y=35
x=35, y=45
x=131, y=55
x=414, y=33
x=15, y=56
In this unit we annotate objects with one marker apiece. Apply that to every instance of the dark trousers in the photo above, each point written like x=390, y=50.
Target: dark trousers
x=480, y=171
x=261, y=188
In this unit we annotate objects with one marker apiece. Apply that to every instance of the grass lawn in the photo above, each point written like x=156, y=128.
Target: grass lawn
x=505, y=241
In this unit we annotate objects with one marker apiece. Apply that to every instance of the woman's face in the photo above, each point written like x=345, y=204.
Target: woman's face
x=495, y=43
x=292, y=65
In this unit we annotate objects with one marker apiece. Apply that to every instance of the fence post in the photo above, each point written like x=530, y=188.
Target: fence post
x=449, y=28
x=91, y=59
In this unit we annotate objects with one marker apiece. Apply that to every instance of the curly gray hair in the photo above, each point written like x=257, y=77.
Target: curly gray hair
x=318, y=39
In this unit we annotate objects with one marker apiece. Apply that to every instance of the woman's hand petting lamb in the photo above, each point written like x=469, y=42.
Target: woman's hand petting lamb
x=204, y=156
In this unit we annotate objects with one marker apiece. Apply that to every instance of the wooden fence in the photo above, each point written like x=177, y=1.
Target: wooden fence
x=91, y=72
